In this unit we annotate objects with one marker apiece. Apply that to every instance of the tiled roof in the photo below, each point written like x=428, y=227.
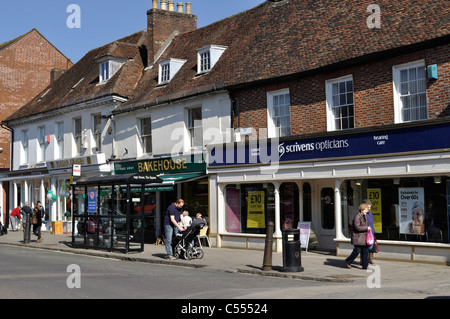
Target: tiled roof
x=80, y=83
x=272, y=40
x=289, y=37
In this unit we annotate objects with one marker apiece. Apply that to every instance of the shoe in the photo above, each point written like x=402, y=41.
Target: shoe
x=348, y=265
x=171, y=258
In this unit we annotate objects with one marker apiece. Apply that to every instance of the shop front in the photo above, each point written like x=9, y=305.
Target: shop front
x=404, y=170
x=50, y=185
x=182, y=177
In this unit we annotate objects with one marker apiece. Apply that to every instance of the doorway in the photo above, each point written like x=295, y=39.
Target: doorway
x=324, y=216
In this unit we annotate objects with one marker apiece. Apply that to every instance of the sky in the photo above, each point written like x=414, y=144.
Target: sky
x=99, y=22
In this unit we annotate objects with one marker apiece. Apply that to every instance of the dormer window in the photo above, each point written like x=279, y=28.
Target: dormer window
x=208, y=56
x=108, y=66
x=168, y=69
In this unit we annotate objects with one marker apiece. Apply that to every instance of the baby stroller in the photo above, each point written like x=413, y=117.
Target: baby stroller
x=184, y=243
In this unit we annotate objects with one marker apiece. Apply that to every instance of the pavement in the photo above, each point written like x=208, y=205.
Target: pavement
x=317, y=265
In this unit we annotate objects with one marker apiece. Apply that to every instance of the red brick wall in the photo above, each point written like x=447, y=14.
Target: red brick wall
x=161, y=26
x=373, y=94
x=25, y=71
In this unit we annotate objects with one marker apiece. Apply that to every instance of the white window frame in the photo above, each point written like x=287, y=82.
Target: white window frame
x=144, y=136
x=331, y=101
x=273, y=117
x=208, y=56
x=25, y=153
x=194, y=127
x=41, y=142
x=108, y=67
x=168, y=68
x=78, y=135
x=97, y=132
x=398, y=105
x=60, y=139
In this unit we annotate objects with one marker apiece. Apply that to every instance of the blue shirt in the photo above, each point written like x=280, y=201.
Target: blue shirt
x=172, y=211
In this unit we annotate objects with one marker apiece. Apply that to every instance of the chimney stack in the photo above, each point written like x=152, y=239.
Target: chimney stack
x=163, y=25
x=188, y=8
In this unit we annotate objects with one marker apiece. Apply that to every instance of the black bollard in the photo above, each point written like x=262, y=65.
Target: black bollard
x=27, y=230
x=267, y=263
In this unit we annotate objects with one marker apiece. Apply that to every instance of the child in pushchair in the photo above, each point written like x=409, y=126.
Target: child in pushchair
x=184, y=242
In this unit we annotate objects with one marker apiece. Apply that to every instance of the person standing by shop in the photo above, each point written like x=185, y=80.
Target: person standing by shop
x=359, y=231
x=172, y=217
x=15, y=218
x=39, y=213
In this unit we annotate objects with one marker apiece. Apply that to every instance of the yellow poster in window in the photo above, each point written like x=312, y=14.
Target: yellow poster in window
x=374, y=195
x=255, y=210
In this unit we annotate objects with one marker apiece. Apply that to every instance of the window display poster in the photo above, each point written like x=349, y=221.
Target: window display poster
x=233, y=211
x=374, y=195
x=305, y=228
x=92, y=201
x=255, y=210
x=412, y=210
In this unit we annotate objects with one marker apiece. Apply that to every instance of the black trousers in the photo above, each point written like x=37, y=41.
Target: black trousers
x=37, y=231
x=364, y=250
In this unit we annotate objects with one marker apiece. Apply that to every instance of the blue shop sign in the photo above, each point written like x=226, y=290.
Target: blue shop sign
x=410, y=139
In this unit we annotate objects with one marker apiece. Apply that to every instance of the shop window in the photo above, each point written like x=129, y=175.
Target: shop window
x=307, y=202
x=289, y=201
x=249, y=207
x=195, y=196
x=327, y=208
x=404, y=209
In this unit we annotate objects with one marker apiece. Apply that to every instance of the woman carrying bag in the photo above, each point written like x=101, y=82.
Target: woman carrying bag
x=360, y=228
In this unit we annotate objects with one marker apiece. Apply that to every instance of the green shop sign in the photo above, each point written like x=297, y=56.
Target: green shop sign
x=166, y=165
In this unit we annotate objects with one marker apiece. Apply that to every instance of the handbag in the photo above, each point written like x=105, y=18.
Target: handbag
x=369, y=238
x=34, y=220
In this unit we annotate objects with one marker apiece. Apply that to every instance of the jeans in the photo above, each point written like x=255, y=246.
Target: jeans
x=170, y=232
x=364, y=250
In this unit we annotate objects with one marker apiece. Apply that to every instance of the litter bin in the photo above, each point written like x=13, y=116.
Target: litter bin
x=292, y=261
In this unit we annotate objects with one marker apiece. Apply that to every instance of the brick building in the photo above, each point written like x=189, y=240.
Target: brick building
x=27, y=65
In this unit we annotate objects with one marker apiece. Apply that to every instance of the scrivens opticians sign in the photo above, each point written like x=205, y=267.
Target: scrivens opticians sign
x=403, y=138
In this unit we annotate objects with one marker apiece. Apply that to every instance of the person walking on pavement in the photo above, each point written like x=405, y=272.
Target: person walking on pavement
x=15, y=218
x=39, y=213
x=370, y=221
x=359, y=231
x=172, y=217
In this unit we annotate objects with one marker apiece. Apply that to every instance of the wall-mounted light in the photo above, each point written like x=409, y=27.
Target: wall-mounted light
x=396, y=181
x=437, y=179
x=358, y=182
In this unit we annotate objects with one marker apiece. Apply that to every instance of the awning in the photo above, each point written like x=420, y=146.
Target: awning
x=133, y=178
x=176, y=178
